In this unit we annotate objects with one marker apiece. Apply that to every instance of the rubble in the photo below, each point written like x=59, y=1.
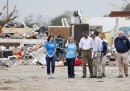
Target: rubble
x=6, y=63
x=34, y=55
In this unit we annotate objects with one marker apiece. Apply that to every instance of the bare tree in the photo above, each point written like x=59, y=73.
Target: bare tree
x=42, y=21
x=38, y=20
x=29, y=20
x=2, y=10
x=11, y=16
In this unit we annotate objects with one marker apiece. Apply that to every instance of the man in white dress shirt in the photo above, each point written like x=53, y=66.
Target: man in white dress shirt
x=97, y=48
x=85, y=46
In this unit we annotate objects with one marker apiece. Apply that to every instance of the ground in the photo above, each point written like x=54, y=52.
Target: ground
x=34, y=78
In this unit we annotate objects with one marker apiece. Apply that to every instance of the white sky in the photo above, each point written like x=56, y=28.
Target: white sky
x=52, y=8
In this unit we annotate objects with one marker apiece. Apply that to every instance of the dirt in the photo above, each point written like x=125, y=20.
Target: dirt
x=34, y=78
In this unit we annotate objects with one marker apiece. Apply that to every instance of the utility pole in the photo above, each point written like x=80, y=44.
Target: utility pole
x=7, y=8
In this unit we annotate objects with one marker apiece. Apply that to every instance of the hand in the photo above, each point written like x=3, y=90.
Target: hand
x=80, y=49
x=94, y=54
x=91, y=48
x=104, y=54
x=50, y=56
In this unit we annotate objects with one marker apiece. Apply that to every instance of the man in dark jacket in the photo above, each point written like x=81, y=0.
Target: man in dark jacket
x=103, y=57
x=122, y=46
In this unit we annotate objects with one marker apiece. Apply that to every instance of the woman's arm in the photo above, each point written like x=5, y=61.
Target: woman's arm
x=47, y=53
x=66, y=43
x=75, y=48
x=53, y=53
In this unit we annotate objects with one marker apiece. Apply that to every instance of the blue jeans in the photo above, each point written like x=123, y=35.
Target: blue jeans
x=52, y=61
x=70, y=63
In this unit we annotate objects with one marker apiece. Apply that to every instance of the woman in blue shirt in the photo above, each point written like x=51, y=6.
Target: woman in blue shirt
x=70, y=56
x=50, y=55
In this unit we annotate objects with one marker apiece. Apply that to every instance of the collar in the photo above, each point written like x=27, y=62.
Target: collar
x=85, y=38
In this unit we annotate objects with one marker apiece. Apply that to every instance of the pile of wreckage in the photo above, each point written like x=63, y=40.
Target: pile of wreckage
x=22, y=56
x=20, y=48
x=34, y=55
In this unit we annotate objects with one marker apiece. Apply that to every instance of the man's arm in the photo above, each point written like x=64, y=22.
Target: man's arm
x=104, y=48
x=128, y=43
x=92, y=43
x=96, y=45
x=80, y=44
x=115, y=42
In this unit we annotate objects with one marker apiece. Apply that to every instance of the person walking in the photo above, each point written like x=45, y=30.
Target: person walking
x=70, y=56
x=97, y=48
x=103, y=55
x=122, y=46
x=85, y=45
x=50, y=47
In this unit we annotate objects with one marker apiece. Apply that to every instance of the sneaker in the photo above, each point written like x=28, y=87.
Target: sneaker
x=52, y=76
x=49, y=77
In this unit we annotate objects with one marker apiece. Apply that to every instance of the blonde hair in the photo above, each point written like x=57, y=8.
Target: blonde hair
x=70, y=38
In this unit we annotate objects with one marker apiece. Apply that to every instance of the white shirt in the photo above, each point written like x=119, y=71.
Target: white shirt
x=97, y=44
x=86, y=44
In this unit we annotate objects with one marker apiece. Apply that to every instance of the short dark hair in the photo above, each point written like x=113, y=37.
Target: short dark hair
x=48, y=39
x=85, y=33
x=96, y=33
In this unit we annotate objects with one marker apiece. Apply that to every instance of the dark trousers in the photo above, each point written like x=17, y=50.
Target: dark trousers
x=52, y=62
x=70, y=63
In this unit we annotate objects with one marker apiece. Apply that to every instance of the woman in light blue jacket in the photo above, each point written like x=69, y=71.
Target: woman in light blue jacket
x=70, y=56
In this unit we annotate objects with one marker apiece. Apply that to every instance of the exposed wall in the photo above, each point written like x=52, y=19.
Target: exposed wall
x=59, y=30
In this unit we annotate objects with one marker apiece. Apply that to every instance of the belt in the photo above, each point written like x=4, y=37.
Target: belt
x=86, y=50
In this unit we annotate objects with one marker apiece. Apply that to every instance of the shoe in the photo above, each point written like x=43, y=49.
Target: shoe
x=52, y=76
x=126, y=75
x=69, y=77
x=103, y=75
x=72, y=77
x=99, y=76
x=49, y=77
x=119, y=76
x=83, y=77
x=92, y=76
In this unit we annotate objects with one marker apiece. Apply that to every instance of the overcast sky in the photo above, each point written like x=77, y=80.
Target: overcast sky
x=52, y=8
